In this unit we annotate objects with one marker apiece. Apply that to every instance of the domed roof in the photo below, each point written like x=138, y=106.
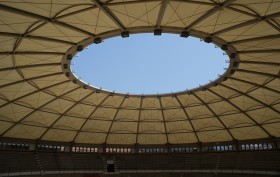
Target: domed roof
x=42, y=100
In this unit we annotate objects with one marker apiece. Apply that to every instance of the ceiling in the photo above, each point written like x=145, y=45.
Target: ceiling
x=38, y=101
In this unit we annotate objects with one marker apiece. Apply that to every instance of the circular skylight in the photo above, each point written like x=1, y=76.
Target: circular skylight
x=148, y=64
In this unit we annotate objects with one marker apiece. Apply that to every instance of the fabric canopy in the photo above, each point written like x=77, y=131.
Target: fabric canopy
x=38, y=101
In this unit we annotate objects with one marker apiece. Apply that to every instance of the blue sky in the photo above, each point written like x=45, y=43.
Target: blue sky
x=148, y=64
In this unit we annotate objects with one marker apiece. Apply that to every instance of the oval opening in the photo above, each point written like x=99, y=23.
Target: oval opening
x=148, y=64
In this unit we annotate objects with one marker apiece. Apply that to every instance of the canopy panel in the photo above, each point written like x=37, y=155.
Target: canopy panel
x=37, y=100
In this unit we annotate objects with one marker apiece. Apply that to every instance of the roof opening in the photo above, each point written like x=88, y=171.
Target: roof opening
x=148, y=64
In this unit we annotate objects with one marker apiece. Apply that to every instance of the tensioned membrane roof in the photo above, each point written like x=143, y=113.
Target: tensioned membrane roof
x=38, y=100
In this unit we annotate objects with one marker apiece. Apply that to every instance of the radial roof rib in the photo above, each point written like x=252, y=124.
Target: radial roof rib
x=108, y=12
x=247, y=23
x=138, y=122
x=260, y=51
x=197, y=2
x=22, y=12
x=255, y=15
x=253, y=98
x=31, y=53
x=36, y=37
x=260, y=63
x=275, y=25
x=164, y=121
x=117, y=3
x=30, y=79
x=219, y=119
x=258, y=73
x=31, y=93
x=37, y=109
x=30, y=66
x=276, y=36
x=208, y=13
x=39, y=17
x=57, y=119
x=88, y=118
x=257, y=85
x=188, y=118
x=161, y=12
x=114, y=119
x=240, y=110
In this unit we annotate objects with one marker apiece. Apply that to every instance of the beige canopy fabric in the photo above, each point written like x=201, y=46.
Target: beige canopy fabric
x=38, y=101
